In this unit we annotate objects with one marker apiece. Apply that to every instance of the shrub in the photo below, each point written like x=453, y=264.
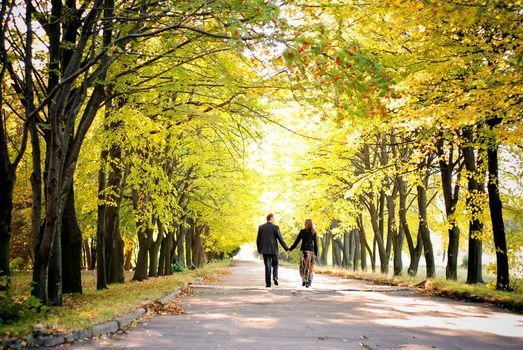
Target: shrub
x=178, y=267
x=13, y=309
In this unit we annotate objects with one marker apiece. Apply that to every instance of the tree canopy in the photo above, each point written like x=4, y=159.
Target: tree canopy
x=157, y=135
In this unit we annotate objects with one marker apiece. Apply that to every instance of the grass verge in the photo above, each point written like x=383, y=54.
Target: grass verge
x=436, y=286
x=80, y=311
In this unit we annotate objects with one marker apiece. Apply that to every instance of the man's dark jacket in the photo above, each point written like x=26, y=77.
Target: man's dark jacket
x=266, y=243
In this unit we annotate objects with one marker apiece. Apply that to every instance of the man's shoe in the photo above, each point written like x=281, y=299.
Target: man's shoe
x=267, y=286
x=303, y=284
x=275, y=280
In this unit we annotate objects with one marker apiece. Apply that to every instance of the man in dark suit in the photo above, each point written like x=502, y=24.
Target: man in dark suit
x=267, y=245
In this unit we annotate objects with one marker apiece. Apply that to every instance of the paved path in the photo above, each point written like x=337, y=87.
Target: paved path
x=240, y=313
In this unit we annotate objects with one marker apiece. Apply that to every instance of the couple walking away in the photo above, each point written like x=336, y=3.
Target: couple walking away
x=267, y=243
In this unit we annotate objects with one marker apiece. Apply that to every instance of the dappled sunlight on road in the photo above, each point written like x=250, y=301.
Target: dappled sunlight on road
x=502, y=327
x=440, y=313
x=238, y=312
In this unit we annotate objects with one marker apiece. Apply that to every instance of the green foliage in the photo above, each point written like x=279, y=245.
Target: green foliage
x=17, y=308
x=16, y=264
x=178, y=267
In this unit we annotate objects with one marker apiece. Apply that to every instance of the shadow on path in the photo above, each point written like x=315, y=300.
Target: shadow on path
x=239, y=313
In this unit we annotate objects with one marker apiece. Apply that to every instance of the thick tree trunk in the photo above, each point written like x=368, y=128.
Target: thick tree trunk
x=394, y=235
x=55, y=274
x=144, y=243
x=7, y=182
x=425, y=232
x=36, y=203
x=398, y=251
x=114, y=245
x=198, y=252
x=49, y=291
x=154, y=249
x=475, y=189
x=101, y=277
x=496, y=216
x=164, y=264
x=72, y=249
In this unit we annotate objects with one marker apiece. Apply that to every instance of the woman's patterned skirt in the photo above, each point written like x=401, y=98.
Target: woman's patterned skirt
x=306, y=266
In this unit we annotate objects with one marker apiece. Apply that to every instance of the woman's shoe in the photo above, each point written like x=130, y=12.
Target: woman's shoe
x=303, y=284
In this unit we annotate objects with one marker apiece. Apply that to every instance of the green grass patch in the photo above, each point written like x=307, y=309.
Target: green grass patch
x=80, y=311
x=475, y=292
x=484, y=293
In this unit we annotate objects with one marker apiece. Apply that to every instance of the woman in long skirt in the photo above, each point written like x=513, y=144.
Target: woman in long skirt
x=308, y=251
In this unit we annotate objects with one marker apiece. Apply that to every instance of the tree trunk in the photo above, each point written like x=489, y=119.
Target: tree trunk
x=90, y=260
x=128, y=257
x=101, y=276
x=378, y=237
x=394, y=235
x=364, y=246
x=7, y=182
x=49, y=292
x=496, y=215
x=55, y=274
x=180, y=249
x=398, y=251
x=86, y=254
x=36, y=203
x=450, y=197
x=198, y=252
x=114, y=245
x=154, y=249
x=164, y=264
x=414, y=251
x=357, y=252
x=72, y=249
x=92, y=263
x=475, y=189
x=348, y=248
x=144, y=243
x=326, y=245
x=337, y=247
x=188, y=244
x=424, y=230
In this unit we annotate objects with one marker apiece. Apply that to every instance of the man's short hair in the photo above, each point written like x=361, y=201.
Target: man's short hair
x=269, y=217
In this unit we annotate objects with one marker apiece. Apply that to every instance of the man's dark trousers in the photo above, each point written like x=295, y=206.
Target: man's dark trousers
x=271, y=262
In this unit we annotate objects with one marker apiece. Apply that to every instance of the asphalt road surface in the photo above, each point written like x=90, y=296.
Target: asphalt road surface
x=238, y=312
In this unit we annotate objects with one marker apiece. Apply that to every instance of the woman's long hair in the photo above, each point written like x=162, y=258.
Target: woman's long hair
x=309, y=226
